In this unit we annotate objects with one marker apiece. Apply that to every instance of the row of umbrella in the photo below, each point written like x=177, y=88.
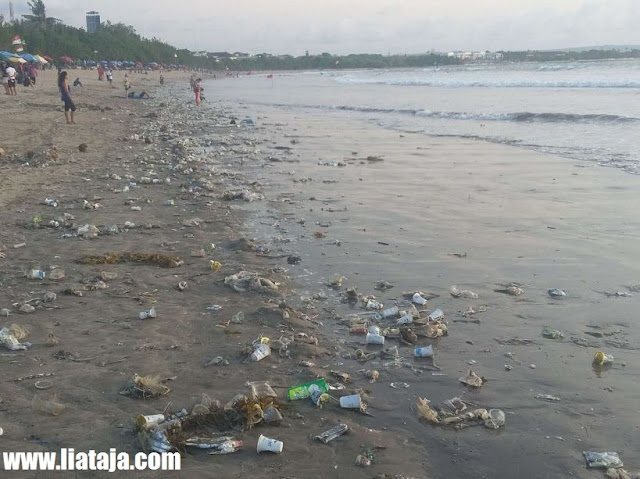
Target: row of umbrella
x=24, y=58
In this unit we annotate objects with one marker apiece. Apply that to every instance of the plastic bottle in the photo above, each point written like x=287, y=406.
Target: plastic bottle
x=227, y=447
x=147, y=314
x=37, y=274
x=423, y=352
x=391, y=312
x=374, y=339
x=50, y=202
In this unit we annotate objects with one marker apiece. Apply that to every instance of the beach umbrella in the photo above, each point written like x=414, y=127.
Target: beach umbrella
x=6, y=55
x=29, y=57
x=17, y=60
x=41, y=59
x=48, y=58
x=66, y=59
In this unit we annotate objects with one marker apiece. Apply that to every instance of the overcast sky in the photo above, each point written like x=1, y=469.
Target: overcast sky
x=361, y=26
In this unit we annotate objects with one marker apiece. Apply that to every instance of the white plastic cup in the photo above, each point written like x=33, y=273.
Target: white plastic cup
x=261, y=352
x=406, y=319
x=146, y=422
x=374, y=339
x=423, y=352
x=435, y=315
x=351, y=402
x=374, y=330
x=266, y=444
x=418, y=299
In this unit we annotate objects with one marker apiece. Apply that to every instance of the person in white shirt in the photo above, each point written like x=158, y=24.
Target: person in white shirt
x=11, y=74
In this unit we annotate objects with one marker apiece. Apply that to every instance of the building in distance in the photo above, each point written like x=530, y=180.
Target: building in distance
x=93, y=22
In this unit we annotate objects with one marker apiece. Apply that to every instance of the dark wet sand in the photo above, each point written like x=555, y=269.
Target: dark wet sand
x=519, y=216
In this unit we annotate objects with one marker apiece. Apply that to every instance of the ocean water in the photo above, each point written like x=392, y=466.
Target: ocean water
x=587, y=111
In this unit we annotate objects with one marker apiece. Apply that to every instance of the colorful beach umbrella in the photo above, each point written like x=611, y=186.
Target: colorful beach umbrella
x=6, y=55
x=66, y=59
x=41, y=59
x=29, y=57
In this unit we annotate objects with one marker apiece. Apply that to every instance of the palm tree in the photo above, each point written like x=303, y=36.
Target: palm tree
x=39, y=15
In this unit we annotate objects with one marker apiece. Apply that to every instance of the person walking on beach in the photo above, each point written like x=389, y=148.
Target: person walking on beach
x=11, y=80
x=161, y=79
x=127, y=84
x=65, y=96
x=33, y=74
x=109, y=74
x=197, y=89
x=5, y=78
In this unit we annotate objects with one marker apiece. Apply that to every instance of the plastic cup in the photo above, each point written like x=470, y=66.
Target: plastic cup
x=423, y=352
x=418, y=299
x=406, y=319
x=351, y=402
x=374, y=330
x=261, y=352
x=146, y=422
x=388, y=313
x=266, y=444
x=374, y=339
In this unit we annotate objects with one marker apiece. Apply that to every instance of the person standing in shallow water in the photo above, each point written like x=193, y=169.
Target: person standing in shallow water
x=65, y=96
x=197, y=89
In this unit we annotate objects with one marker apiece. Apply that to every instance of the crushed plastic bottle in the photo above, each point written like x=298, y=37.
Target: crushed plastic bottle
x=602, y=459
x=496, y=419
x=556, y=293
x=332, y=433
x=9, y=341
x=552, y=334
x=147, y=314
x=36, y=274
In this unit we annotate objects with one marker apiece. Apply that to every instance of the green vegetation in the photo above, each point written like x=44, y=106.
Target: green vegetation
x=38, y=15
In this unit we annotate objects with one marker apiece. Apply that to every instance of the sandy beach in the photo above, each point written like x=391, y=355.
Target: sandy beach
x=422, y=213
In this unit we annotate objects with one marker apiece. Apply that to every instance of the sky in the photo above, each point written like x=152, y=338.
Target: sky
x=364, y=26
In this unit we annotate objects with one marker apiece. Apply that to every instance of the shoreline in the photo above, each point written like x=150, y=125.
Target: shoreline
x=471, y=198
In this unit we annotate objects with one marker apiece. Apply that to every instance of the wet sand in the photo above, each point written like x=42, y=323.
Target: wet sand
x=520, y=217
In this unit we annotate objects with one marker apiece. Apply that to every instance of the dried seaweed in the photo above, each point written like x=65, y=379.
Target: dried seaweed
x=145, y=387
x=162, y=260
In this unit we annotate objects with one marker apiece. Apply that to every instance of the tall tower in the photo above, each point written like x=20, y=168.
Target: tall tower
x=93, y=22
x=12, y=16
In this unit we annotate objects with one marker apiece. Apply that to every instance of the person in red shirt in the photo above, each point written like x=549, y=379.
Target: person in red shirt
x=33, y=74
x=197, y=89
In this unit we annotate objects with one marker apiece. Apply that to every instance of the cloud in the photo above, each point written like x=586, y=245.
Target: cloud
x=355, y=26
